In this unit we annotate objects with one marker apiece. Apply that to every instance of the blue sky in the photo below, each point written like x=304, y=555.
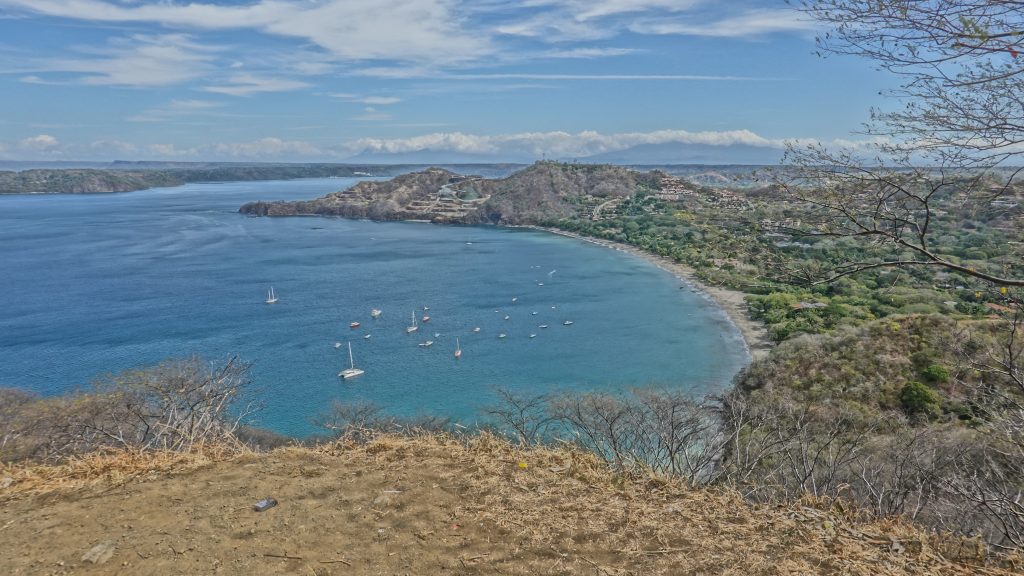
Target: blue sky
x=323, y=80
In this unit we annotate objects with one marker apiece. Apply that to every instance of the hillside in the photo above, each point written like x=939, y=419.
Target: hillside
x=424, y=505
x=545, y=191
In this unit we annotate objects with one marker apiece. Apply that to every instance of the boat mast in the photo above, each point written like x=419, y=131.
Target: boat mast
x=351, y=360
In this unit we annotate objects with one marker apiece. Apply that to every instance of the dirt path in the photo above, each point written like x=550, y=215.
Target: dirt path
x=429, y=506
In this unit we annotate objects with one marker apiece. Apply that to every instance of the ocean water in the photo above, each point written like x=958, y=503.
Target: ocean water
x=102, y=283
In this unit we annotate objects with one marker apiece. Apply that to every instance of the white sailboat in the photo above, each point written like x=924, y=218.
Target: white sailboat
x=414, y=327
x=375, y=313
x=458, y=349
x=271, y=297
x=351, y=371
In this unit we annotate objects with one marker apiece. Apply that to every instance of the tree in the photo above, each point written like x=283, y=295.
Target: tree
x=957, y=139
x=962, y=118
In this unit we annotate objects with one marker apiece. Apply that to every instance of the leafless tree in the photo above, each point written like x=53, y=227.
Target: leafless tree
x=963, y=93
x=961, y=66
x=527, y=416
x=362, y=421
x=177, y=405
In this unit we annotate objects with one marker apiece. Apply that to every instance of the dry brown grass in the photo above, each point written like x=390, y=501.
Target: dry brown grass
x=428, y=505
x=106, y=468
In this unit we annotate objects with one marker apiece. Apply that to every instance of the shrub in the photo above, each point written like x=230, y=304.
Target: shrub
x=918, y=399
x=935, y=374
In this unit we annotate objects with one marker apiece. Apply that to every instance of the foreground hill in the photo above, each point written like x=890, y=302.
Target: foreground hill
x=546, y=191
x=426, y=505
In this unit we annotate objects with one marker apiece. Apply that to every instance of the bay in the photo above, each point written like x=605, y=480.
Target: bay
x=96, y=284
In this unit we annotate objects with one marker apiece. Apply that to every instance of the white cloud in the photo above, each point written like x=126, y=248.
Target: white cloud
x=591, y=9
x=369, y=100
x=420, y=31
x=415, y=73
x=749, y=24
x=557, y=144
x=137, y=61
x=40, y=143
x=588, y=52
x=380, y=100
x=371, y=114
x=267, y=149
x=520, y=146
x=249, y=84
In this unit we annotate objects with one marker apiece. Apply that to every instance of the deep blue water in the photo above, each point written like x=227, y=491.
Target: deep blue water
x=101, y=283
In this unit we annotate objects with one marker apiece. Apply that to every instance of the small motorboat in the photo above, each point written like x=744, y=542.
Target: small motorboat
x=533, y=335
x=542, y=326
x=437, y=334
x=375, y=313
x=533, y=313
x=514, y=299
x=366, y=337
x=567, y=323
x=426, y=319
x=477, y=329
x=426, y=344
x=507, y=316
x=502, y=335
x=353, y=325
x=337, y=345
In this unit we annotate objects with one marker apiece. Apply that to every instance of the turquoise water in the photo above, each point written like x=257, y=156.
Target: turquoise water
x=101, y=283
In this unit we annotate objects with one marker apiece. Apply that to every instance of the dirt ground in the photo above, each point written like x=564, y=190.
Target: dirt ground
x=419, y=506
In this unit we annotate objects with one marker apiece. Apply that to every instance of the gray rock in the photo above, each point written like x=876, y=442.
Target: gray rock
x=100, y=553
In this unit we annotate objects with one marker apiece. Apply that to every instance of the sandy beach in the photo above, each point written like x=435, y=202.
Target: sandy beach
x=732, y=302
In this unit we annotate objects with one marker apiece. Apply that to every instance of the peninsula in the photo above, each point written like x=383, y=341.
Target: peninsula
x=542, y=193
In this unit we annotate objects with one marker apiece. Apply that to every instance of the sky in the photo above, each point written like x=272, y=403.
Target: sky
x=494, y=80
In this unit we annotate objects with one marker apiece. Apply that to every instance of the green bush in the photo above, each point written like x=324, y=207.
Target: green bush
x=935, y=374
x=918, y=399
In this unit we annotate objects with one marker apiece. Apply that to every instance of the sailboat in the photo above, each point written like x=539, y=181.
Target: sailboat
x=375, y=313
x=414, y=327
x=458, y=349
x=351, y=371
x=271, y=297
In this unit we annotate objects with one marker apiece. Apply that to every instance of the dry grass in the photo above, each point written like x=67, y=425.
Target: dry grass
x=108, y=468
x=434, y=504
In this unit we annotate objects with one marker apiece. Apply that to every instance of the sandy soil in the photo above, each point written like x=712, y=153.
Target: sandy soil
x=427, y=505
x=732, y=302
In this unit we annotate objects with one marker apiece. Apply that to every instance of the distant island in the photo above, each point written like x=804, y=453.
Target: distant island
x=133, y=176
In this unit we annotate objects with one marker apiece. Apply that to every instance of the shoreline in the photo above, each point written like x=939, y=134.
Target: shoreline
x=731, y=302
